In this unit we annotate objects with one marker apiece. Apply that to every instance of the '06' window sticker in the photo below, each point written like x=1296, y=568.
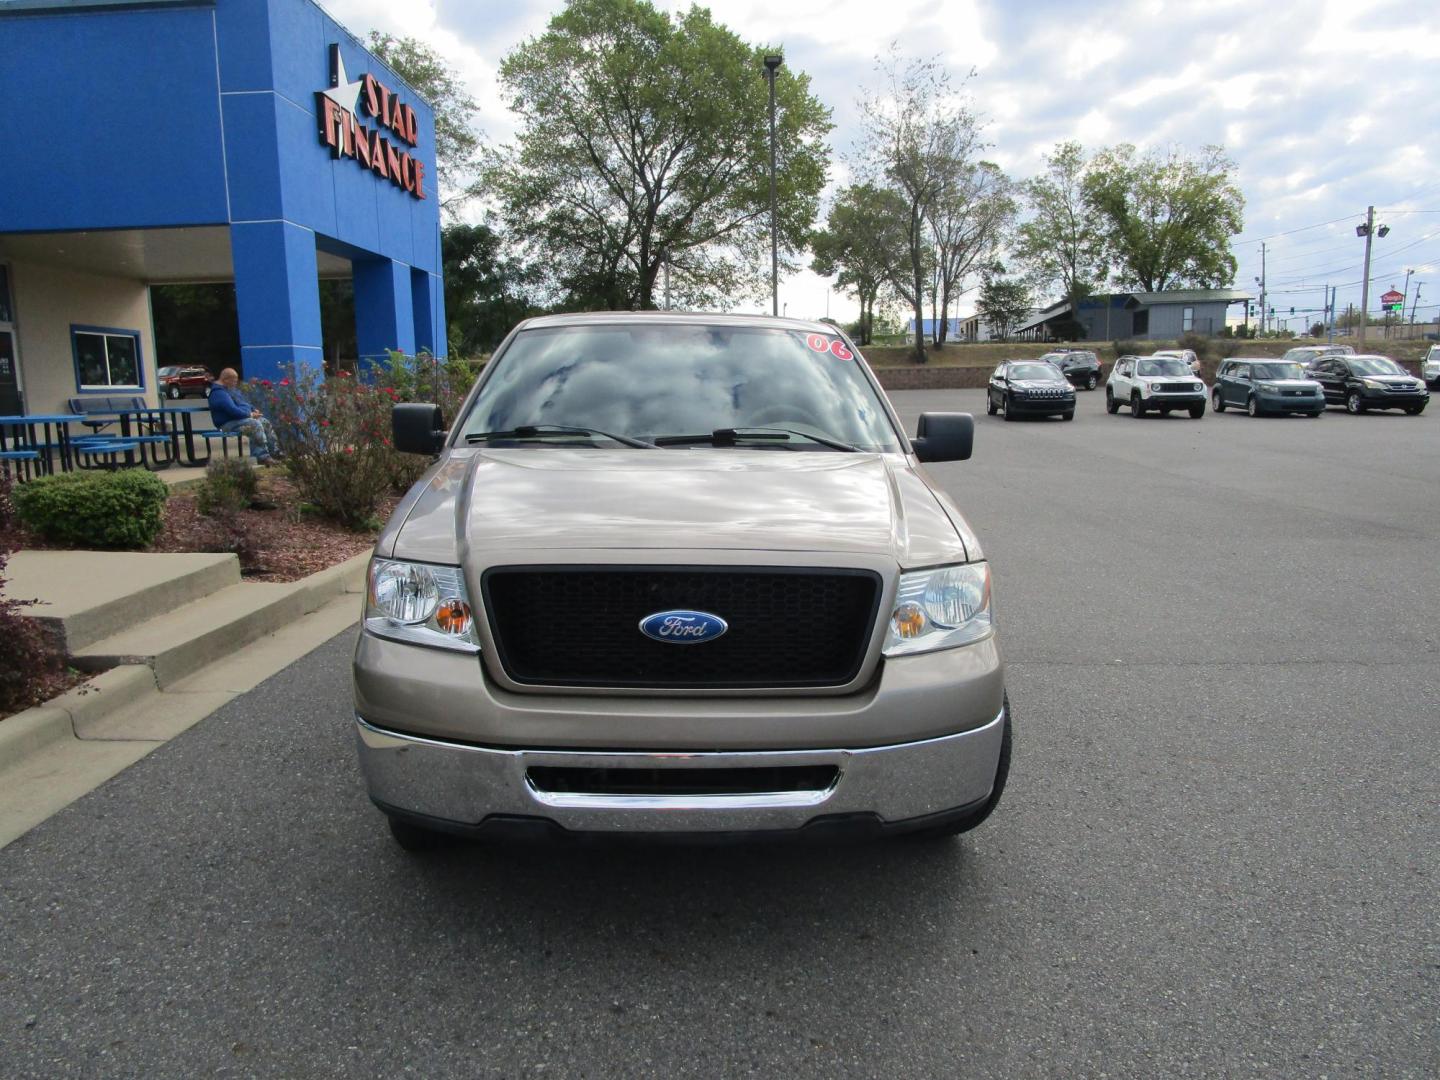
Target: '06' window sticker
x=834, y=346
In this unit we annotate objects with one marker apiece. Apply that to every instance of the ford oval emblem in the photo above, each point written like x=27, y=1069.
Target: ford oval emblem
x=683, y=627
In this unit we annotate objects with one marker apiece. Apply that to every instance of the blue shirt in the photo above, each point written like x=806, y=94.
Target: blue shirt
x=227, y=406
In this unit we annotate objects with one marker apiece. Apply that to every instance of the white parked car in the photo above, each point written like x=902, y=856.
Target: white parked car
x=1154, y=384
x=1430, y=368
x=1188, y=355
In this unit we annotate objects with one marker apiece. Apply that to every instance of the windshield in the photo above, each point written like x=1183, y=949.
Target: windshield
x=1162, y=365
x=1036, y=373
x=644, y=381
x=1374, y=365
x=1280, y=370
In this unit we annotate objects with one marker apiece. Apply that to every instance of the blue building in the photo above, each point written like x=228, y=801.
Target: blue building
x=162, y=141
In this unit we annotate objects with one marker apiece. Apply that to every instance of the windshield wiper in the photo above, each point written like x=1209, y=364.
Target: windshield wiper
x=728, y=437
x=540, y=431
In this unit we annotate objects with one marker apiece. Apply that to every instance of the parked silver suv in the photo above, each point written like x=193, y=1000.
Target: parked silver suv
x=679, y=574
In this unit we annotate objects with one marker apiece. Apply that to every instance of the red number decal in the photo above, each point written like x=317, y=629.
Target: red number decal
x=818, y=342
x=838, y=350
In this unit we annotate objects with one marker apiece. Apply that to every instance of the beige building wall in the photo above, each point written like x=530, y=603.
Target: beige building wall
x=48, y=301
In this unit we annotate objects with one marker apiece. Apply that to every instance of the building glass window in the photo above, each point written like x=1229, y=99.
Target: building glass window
x=1140, y=322
x=1187, y=319
x=107, y=359
x=7, y=313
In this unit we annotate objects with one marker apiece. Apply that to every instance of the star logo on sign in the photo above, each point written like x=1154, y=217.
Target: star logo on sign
x=342, y=91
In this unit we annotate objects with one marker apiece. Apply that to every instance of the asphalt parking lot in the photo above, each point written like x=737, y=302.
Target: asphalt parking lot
x=1217, y=854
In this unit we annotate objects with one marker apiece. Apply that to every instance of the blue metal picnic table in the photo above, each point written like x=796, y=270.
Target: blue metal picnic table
x=18, y=432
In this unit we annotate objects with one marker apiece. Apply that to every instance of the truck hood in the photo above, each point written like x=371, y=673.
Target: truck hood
x=717, y=499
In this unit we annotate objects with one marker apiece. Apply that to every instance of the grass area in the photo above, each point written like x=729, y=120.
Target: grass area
x=986, y=354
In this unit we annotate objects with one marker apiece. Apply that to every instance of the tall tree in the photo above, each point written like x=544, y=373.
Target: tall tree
x=1003, y=303
x=863, y=241
x=644, y=139
x=918, y=135
x=457, y=142
x=1167, y=218
x=1061, y=245
x=968, y=220
x=485, y=289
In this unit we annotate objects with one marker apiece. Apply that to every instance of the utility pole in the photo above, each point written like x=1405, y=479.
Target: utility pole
x=1330, y=322
x=1365, y=284
x=771, y=64
x=1404, y=295
x=1415, y=307
x=1262, y=289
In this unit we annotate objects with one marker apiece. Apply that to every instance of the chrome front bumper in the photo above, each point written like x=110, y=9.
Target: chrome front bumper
x=466, y=786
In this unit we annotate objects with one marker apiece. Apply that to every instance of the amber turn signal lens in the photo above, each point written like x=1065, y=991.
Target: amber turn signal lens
x=908, y=620
x=453, y=617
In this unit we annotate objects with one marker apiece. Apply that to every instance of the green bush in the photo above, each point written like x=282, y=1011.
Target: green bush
x=1129, y=348
x=230, y=485
x=94, y=509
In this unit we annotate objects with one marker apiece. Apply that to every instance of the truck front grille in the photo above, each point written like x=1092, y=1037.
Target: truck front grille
x=767, y=780
x=580, y=625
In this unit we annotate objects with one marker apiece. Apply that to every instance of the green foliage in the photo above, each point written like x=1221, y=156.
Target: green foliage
x=645, y=137
x=1128, y=348
x=229, y=486
x=863, y=241
x=1317, y=329
x=94, y=509
x=486, y=289
x=1004, y=303
x=1167, y=219
x=1061, y=245
x=195, y=324
x=457, y=143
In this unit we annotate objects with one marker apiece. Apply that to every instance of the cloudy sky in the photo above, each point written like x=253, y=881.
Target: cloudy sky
x=1327, y=107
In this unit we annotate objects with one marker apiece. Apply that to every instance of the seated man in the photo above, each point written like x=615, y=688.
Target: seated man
x=232, y=413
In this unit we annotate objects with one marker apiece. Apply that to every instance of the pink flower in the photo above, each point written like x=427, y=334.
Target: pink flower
x=284, y=382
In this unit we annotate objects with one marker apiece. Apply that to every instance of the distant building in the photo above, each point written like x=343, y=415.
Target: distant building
x=977, y=327
x=1159, y=316
x=952, y=328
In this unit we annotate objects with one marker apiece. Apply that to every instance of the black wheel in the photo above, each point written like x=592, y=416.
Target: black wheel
x=1093, y=381
x=1137, y=407
x=172, y=392
x=1009, y=412
x=414, y=838
x=1315, y=415
x=1002, y=772
x=1164, y=410
x=990, y=409
x=1353, y=405
x=1069, y=415
x=1217, y=399
x=1252, y=406
x=1197, y=411
x=1415, y=410
x=1111, y=405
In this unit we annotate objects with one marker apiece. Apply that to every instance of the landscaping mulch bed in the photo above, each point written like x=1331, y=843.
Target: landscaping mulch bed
x=281, y=544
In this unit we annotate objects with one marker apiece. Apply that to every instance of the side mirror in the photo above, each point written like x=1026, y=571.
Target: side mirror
x=418, y=429
x=944, y=436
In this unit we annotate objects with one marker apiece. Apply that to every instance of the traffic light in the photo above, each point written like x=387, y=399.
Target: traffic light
x=1292, y=310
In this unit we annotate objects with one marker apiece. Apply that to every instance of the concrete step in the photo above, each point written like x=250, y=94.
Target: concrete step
x=91, y=595
x=180, y=642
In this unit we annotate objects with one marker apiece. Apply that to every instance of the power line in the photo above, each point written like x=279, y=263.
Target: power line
x=1288, y=232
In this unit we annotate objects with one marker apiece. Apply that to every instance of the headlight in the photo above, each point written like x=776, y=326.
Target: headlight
x=940, y=609
x=1199, y=387
x=420, y=603
x=1373, y=384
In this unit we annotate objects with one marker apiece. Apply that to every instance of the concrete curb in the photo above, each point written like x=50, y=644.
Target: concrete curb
x=54, y=753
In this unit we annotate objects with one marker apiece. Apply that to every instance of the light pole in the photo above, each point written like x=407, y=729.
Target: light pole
x=771, y=64
x=1368, y=231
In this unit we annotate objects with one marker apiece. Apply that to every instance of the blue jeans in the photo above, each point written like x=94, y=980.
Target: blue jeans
x=260, y=434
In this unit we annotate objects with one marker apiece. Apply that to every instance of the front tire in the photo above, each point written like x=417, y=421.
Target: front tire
x=173, y=393
x=1002, y=773
x=1415, y=410
x=1137, y=407
x=1217, y=399
x=1093, y=381
x=1009, y=412
x=1252, y=406
x=1353, y=405
x=1070, y=415
x=1197, y=411
x=1111, y=405
x=990, y=409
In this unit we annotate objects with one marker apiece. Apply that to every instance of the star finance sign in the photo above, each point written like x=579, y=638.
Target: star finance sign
x=339, y=111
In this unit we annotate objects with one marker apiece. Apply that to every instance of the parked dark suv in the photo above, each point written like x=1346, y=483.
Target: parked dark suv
x=1035, y=387
x=1362, y=383
x=1080, y=366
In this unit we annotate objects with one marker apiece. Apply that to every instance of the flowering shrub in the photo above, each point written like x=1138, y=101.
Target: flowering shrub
x=335, y=433
x=30, y=657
